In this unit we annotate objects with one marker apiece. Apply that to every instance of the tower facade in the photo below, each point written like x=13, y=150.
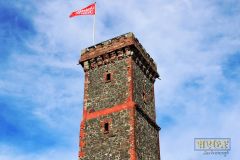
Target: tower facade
x=119, y=119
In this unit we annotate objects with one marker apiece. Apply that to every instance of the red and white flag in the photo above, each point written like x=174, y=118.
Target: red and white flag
x=89, y=10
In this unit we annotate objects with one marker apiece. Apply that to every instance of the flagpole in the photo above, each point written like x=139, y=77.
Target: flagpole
x=94, y=24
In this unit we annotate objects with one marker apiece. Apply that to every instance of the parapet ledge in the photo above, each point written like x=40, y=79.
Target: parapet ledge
x=125, y=40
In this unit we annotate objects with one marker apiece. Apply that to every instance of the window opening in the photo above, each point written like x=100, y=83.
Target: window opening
x=106, y=127
x=108, y=77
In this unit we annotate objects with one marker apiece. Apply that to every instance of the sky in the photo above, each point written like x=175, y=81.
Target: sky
x=196, y=45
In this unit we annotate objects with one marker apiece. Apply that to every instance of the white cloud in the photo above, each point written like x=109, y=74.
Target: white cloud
x=187, y=39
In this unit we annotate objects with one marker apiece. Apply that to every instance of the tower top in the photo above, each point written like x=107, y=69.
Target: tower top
x=128, y=41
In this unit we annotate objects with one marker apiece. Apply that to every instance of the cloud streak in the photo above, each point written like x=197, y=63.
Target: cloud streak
x=196, y=47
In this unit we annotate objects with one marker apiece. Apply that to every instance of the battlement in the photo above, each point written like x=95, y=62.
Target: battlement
x=118, y=44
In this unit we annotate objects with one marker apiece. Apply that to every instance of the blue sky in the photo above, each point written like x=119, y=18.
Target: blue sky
x=196, y=45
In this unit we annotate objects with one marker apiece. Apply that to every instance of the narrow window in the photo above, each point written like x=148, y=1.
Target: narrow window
x=106, y=127
x=108, y=78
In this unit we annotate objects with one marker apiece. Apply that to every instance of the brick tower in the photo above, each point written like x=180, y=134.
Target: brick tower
x=119, y=119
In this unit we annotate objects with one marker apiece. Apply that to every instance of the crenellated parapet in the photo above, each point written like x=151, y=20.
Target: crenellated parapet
x=116, y=49
x=106, y=58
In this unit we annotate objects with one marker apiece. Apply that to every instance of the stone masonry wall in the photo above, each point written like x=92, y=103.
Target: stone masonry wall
x=146, y=139
x=104, y=94
x=125, y=103
x=113, y=145
x=142, y=84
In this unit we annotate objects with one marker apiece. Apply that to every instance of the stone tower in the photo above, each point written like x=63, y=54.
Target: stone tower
x=119, y=119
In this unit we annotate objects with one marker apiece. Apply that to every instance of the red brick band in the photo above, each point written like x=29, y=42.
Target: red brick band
x=106, y=111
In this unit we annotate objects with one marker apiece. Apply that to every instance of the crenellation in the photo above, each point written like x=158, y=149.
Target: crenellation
x=118, y=43
x=106, y=58
x=99, y=60
x=110, y=57
x=120, y=54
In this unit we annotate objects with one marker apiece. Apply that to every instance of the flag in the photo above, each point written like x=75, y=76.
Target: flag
x=89, y=10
